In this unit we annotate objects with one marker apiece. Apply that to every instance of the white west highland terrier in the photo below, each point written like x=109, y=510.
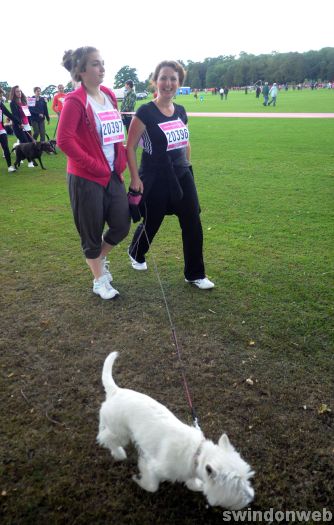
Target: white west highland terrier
x=168, y=449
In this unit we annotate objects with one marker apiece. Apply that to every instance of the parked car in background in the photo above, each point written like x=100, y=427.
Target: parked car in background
x=119, y=93
x=141, y=96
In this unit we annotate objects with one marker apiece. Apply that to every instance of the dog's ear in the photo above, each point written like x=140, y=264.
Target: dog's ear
x=210, y=471
x=224, y=443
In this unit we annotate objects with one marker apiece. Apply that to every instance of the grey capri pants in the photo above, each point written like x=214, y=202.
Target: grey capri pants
x=93, y=206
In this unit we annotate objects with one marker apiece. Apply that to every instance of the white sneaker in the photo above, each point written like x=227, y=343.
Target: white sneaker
x=105, y=268
x=31, y=165
x=11, y=168
x=137, y=265
x=203, y=284
x=103, y=288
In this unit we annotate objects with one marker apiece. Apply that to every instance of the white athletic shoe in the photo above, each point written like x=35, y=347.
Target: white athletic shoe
x=31, y=165
x=103, y=288
x=203, y=284
x=105, y=268
x=137, y=265
x=11, y=169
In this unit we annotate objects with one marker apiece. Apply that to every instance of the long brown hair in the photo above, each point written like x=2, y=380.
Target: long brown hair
x=13, y=97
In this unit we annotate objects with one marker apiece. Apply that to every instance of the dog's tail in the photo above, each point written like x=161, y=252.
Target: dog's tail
x=107, y=379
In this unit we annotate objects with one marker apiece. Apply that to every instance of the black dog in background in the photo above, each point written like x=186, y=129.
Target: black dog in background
x=32, y=151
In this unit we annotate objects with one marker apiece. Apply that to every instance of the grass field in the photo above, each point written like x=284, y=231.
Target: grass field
x=308, y=101
x=266, y=193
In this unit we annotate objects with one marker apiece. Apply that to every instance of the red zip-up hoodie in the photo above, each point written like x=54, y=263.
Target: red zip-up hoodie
x=78, y=139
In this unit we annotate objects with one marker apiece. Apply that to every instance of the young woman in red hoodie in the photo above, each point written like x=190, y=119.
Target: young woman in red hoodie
x=91, y=134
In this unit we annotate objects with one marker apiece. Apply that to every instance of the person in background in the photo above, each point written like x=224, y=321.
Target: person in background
x=3, y=133
x=90, y=134
x=58, y=100
x=273, y=93
x=39, y=113
x=265, y=93
x=21, y=114
x=165, y=176
x=128, y=103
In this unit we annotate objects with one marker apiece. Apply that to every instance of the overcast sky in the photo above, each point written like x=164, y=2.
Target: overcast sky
x=140, y=33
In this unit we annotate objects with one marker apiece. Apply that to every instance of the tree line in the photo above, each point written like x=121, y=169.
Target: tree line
x=247, y=69
x=244, y=70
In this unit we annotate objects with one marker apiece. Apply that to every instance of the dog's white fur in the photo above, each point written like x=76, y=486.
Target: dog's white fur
x=168, y=449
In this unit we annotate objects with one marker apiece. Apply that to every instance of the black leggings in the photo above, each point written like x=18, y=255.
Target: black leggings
x=188, y=212
x=4, y=145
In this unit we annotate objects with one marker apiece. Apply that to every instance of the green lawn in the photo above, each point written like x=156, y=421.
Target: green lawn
x=317, y=101
x=266, y=193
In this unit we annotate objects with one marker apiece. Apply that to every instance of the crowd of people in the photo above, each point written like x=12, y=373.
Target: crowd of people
x=25, y=119
x=91, y=133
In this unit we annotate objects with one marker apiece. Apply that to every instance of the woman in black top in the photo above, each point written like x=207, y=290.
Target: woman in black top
x=21, y=114
x=165, y=176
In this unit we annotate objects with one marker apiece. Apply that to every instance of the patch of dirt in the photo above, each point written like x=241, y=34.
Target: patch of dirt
x=53, y=345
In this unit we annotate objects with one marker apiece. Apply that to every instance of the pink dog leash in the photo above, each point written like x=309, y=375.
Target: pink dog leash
x=183, y=374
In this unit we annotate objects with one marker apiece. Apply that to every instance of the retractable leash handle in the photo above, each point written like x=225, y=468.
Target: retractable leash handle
x=134, y=198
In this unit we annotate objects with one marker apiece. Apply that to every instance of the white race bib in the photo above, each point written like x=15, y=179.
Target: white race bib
x=61, y=100
x=31, y=102
x=26, y=111
x=176, y=133
x=112, y=126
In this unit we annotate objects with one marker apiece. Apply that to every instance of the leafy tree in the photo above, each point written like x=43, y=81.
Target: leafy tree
x=193, y=77
x=196, y=75
x=143, y=86
x=49, y=91
x=69, y=87
x=124, y=74
x=6, y=87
